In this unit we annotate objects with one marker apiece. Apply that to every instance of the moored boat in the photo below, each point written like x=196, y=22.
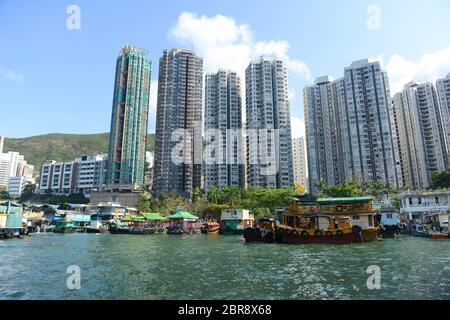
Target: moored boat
x=438, y=235
x=210, y=227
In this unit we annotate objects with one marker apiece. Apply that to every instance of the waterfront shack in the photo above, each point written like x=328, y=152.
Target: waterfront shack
x=425, y=211
x=235, y=221
x=11, y=220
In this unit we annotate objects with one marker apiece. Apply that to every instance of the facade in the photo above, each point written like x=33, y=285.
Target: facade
x=367, y=130
x=16, y=185
x=269, y=145
x=128, y=134
x=348, y=127
x=420, y=126
x=178, y=146
x=299, y=161
x=224, y=159
x=91, y=174
x=443, y=92
x=25, y=170
x=322, y=127
x=57, y=177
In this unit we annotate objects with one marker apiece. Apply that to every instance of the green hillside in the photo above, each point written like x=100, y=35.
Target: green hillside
x=62, y=147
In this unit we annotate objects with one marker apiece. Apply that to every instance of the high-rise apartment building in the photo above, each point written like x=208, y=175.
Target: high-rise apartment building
x=420, y=126
x=299, y=162
x=443, y=92
x=224, y=158
x=322, y=132
x=129, y=120
x=269, y=145
x=9, y=163
x=348, y=127
x=178, y=147
x=57, y=177
x=91, y=174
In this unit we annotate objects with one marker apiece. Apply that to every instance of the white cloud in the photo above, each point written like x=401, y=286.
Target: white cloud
x=153, y=100
x=153, y=95
x=225, y=44
x=11, y=75
x=430, y=67
x=291, y=93
x=297, y=127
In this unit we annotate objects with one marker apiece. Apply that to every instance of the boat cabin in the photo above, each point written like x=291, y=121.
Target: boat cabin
x=235, y=221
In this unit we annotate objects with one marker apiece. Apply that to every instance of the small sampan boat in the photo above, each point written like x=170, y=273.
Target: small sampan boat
x=210, y=227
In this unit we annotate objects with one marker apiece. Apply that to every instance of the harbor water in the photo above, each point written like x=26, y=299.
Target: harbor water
x=219, y=267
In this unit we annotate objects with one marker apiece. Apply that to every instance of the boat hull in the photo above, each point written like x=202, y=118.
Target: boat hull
x=366, y=235
x=421, y=234
x=64, y=230
x=390, y=231
x=439, y=236
x=210, y=230
x=298, y=239
x=259, y=235
x=94, y=230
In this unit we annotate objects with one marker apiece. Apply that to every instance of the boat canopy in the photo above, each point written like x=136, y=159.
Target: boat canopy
x=349, y=200
x=153, y=216
x=133, y=218
x=183, y=215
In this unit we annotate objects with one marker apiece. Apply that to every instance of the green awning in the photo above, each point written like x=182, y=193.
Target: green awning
x=183, y=215
x=153, y=216
x=133, y=218
x=325, y=201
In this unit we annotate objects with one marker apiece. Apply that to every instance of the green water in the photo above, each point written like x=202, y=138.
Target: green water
x=219, y=267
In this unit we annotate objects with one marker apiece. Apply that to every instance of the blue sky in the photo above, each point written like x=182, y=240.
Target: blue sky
x=53, y=79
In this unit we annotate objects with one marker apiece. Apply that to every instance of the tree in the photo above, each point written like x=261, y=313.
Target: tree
x=441, y=180
x=4, y=194
x=349, y=188
x=28, y=192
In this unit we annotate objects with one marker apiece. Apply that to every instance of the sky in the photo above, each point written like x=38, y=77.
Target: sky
x=57, y=66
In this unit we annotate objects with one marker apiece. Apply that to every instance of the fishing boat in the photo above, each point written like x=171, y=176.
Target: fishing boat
x=115, y=228
x=210, y=227
x=308, y=220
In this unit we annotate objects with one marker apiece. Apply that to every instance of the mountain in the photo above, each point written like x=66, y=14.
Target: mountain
x=62, y=147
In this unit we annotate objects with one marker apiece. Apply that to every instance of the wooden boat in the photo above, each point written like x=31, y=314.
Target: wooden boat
x=438, y=235
x=210, y=228
x=114, y=229
x=96, y=230
x=315, y=229
x=308, y=220
x=366, y=234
